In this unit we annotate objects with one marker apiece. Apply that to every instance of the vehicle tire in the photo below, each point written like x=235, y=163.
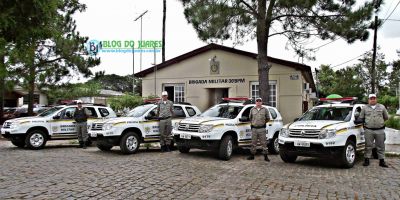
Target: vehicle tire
x=273, y=146
x=19, y=142
x=130, y=143
x=225, y=148
x=184, y=149
x=104, y=147
x=348, y=155
x=36, y=139
x=287, y=158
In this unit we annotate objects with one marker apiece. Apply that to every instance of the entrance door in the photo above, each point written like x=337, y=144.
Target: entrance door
x=216, y=95
x=170, y=90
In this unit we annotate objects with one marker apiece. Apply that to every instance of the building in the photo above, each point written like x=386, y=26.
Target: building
x=205, y=75
x=102, y=97
x=19, y=97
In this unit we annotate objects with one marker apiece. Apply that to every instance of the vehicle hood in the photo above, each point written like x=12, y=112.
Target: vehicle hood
x=205, y=120
x=314, y=124
x=117, y=120
x=28, y=119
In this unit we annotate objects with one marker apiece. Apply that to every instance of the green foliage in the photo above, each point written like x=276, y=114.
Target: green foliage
x=72, y=91
x=393, y=122
x=126, y=101
x=117, y=83
x=390, y=102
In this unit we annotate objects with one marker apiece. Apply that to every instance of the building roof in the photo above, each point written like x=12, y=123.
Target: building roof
x=109, y=93
x=305, y=69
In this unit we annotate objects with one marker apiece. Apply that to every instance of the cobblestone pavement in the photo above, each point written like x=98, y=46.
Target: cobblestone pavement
x=61, y=171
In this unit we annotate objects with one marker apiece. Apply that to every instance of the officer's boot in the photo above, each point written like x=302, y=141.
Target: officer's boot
x=251, y=157
x=167, y=149
x=162, y=148
x=80, y=145
x=366, y=162
x=382, y=163
x=84, y=145
x=266, y=157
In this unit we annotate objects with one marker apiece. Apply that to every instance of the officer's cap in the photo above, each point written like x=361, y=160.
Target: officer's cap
x=371, y=96
x=165, y=93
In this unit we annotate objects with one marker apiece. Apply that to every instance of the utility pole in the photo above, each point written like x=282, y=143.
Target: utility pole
x=133, y=68
x=373, y=74
x=140, y=17
x=155, y=72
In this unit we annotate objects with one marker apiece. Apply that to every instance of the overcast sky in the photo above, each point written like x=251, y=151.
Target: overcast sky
x=114, y=20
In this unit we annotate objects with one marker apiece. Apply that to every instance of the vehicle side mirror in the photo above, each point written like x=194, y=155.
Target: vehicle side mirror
x=244, y=119
x=56, y=117
x=296, y=119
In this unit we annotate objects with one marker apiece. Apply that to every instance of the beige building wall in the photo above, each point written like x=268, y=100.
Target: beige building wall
x=233, y=67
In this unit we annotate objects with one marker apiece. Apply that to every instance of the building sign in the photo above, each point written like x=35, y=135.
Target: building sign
x=294, y=77
x=216, y=81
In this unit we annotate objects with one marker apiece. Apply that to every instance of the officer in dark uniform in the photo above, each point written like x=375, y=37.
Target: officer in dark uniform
x=374, y=116
x=80, y=116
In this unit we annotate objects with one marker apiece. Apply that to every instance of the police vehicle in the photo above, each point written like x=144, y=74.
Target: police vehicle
x=140, y=125
x=54, y=123
x=225, y=127
x=326, y=130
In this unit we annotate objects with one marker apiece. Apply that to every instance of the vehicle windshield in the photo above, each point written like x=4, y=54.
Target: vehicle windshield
x=138, y=111
x=224, y=111
x=49, y=111
x=328, y=113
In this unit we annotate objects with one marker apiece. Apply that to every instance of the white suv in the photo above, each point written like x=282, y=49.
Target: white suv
x=324, y=131
x=52, y=124
x=223, y=128
x=138, y=126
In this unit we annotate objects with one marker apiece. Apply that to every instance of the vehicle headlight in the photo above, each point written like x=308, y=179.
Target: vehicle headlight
x=284, y=132
x=14, y=125
x=107, y=127
x=205, y=128
x=175, y=126
x=327, y=133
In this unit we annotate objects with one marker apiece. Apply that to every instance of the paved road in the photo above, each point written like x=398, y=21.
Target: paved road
x=64, y=172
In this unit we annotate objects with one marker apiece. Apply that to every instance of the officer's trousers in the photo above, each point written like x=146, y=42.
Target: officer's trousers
x=81, y=128
x=165, y=131
x=258, y=134
x=379, y=137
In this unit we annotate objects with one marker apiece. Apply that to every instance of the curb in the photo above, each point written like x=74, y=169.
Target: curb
x=392, y=154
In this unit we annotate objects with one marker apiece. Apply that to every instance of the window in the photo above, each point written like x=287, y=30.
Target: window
x=246, y=113
x=67, y=113
x=191, y=111
x=273, y=113
x=254, y=91
x=91, y=111
x=176, y=92
x=178, y=112
x=104, y=112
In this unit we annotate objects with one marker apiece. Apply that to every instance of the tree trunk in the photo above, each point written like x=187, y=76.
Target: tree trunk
x=2, y=86
x=31, y=89
x=262, y=59
x=163, y=30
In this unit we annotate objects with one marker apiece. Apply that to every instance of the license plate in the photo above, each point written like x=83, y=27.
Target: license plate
x=185, y=136
x=93, y=134
x=301, y=144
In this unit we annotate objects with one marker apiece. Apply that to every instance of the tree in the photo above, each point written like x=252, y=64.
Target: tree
x=52, y=49
x=116, y=82
x=297, y=20
x=72, y=91
x=394, y=77
x=364, y=69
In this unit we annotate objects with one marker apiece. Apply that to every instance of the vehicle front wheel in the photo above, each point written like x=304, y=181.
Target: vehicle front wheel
x=273, y=146
x=348, y=155
x=183, y=149
x=288, y=158
x=226, y=148
x=36, y=139
x=130, y=143
x=19, y=142
x=104, y=147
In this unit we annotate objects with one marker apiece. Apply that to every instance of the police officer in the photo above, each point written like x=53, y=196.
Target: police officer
x=80, y=116
x=165, y=112
x=374, y=116
x=259, y=117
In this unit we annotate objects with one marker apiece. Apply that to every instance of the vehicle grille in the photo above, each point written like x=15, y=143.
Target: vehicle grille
x=97, y=126
x=7, y=124
x=304, y=133
x=189, y=127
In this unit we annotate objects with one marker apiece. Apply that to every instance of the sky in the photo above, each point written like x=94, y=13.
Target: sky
x=114, y=21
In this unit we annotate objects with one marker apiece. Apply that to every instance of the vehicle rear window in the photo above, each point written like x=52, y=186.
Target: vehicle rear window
x=178, y=112
x=191, y=111
x=104, y=112
x=273, y=113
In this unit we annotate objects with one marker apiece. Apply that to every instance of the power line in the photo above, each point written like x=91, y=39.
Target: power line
x=349, y=60
x=391, y=12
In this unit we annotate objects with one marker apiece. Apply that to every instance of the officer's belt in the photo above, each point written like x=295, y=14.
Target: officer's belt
x=163, y=118
x=375, y=128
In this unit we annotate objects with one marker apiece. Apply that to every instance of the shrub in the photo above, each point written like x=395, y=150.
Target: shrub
x=393, y=122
